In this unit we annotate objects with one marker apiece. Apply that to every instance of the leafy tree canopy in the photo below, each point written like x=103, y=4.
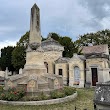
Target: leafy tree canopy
x=90, y=39
x=19, y=53
x=69, y=46
x=6, y=57
x=18, y=57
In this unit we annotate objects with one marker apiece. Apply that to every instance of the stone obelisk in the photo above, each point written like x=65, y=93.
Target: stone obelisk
x=35, y=33
x=34, y=54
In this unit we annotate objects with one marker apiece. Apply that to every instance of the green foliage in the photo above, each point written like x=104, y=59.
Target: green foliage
x=57, y=94
x=24, y=40
x=1, y=88
x=12, y=94
x=18, y=57
x=19, y=53
x=91, y=39
x=66, y=91
x=41, y=96
x=55, y=36
x=69, y=90
x=69, y=45
x=6, y=57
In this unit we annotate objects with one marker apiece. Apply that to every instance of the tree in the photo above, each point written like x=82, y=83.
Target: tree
x=19, y=53
x=24, y=40
x=91, y=39
x=69, y=46
x=18, y=57
x=6, y=57
x=55, y=36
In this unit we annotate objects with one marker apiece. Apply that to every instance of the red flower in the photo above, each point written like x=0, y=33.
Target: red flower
x=15, y=92
x=2, y=95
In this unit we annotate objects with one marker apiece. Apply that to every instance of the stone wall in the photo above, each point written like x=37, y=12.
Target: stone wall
x=50, y=57
x=65, y=74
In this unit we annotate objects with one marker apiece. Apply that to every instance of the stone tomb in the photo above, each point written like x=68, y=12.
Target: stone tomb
x=102, y=96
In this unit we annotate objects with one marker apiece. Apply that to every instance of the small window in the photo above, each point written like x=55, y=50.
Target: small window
x=60, y=72
x=46, y=65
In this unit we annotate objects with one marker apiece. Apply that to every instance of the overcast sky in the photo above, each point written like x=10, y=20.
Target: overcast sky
x=65, y=17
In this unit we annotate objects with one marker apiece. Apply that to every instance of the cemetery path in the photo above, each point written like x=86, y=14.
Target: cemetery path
x=83, y=101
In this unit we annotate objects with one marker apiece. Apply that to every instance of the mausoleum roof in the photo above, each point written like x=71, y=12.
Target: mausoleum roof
x=95, y=49
x=62, y=60
x=50, y=44
x=82, y=57
x=96, y=55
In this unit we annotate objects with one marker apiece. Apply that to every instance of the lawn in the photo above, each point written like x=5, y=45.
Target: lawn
x=83, y=101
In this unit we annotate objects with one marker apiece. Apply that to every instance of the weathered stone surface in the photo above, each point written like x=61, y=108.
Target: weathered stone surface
x=35, y=34
x=102, y=95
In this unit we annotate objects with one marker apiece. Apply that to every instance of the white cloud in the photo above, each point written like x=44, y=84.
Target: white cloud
x=7, y=43
x=105, y=22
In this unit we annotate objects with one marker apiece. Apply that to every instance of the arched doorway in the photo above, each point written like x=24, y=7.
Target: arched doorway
x=46, y=65
x=76, y=75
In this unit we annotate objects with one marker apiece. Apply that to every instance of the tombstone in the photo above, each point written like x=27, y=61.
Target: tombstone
x=56, y=84
x=32, y=86
x=102, y=96
x=10, y=84
x=10, y=73
x=14, y=73
x=6, y=73
x=20, y=71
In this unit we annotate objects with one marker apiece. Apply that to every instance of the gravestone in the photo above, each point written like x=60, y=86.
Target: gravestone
x=102, y=96
x=20, y=71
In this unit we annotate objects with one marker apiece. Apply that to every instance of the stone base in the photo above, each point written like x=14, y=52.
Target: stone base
x=35, y=72
x=35, y=83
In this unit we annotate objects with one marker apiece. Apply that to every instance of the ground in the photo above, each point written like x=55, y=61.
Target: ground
x=83, y=101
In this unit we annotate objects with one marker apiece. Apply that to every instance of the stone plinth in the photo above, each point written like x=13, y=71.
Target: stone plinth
x=102, y=96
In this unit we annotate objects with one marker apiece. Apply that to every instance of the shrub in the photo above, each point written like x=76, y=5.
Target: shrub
x=41, y=96
x=1, y=88
x=12, y=94
x=69, y=90
x=57, y=94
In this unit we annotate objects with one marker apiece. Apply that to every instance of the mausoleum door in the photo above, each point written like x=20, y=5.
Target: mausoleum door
x=76, y=75
x=60, y=72
x=94, y=76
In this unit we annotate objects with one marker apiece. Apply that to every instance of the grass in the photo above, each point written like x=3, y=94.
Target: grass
x=83, y=101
